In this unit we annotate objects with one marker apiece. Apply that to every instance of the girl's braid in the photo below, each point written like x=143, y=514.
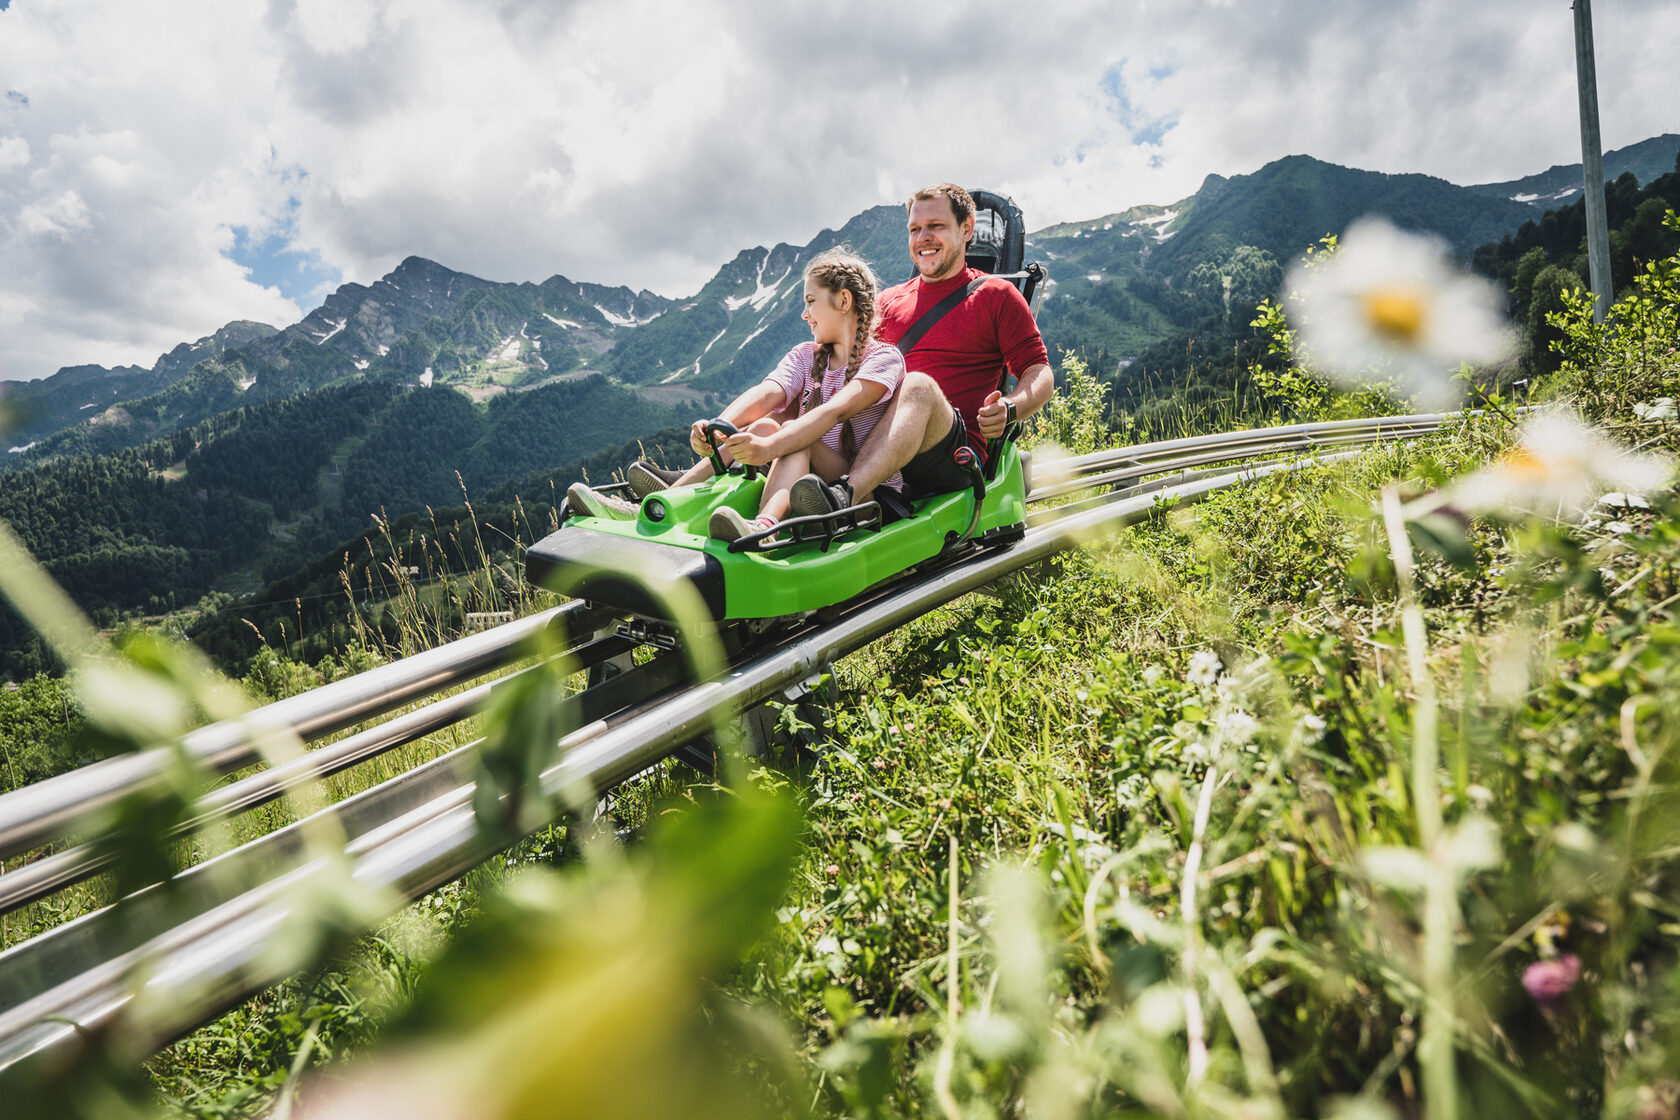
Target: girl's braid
x=839, y=270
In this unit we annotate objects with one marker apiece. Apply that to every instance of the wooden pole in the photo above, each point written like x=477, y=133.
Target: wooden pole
x=1592, y=162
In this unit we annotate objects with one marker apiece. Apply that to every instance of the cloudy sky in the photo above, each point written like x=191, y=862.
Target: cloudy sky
x=169, y=165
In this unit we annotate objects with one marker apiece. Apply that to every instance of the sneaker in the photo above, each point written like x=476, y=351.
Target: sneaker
x=586, y=501
x=645, y=478
x=812, y=497
x=729, y=525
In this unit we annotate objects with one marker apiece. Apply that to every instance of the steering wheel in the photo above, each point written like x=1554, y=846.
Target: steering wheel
x=725, y=429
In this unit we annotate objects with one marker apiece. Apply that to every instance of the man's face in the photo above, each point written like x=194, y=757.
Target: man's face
x=937, y=240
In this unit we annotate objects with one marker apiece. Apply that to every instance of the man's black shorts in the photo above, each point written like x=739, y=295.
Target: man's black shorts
x=935, y=471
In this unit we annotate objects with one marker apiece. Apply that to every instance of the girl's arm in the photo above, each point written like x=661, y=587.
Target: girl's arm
x=759, y=401
x=855, y=396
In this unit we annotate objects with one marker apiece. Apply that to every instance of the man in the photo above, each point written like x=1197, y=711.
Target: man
x=951, y=394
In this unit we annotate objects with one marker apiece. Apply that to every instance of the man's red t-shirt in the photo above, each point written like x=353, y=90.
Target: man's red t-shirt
x=967, y=350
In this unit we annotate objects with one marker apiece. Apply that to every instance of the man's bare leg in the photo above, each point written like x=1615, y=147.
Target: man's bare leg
x=917, y=418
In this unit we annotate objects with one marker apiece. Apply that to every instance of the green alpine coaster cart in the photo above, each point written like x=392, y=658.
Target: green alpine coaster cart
x=804, y=564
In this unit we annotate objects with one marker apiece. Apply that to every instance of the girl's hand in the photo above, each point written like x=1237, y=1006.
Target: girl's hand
x=749, y=449
x=697, y=439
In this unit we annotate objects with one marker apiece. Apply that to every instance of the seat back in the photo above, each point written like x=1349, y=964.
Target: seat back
x=1000, y=238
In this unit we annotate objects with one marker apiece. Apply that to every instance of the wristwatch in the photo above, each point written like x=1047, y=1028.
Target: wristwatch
x=1008, y=412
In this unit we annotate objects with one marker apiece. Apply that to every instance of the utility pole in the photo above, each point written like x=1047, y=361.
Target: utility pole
x=1592, y=162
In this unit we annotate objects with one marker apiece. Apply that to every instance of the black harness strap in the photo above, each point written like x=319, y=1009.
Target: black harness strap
x=937, y=312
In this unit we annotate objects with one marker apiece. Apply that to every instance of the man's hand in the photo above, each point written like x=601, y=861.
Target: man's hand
x=993, y=415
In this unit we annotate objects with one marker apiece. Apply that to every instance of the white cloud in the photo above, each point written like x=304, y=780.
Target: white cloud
x=55, y=216
x=14, y=153
x=642, y=142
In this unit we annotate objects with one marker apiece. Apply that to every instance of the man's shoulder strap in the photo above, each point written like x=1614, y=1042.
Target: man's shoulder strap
x=932, y=315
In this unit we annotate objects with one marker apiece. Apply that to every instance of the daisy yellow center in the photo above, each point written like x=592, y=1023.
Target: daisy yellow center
x=1524, y=463
x=1398, y=313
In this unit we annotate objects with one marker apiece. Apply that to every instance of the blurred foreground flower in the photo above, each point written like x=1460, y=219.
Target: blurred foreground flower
x=597, y=993
x=1558, y=468
x=1204, y=668
x=1548, y=981
x=1390, y=304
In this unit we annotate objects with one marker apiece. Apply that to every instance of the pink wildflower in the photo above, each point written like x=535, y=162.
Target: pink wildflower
x=1548, y=981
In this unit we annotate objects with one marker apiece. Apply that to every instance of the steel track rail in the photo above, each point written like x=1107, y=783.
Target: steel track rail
x=58, y=806
x=410, y=835
x=42, y=877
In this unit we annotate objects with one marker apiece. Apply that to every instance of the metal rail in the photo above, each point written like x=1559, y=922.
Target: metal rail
x=202, y=943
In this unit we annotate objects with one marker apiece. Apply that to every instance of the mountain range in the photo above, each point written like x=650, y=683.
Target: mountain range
x=1118, y=284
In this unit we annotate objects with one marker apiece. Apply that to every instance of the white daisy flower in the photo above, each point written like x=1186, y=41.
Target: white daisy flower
x=1204, y=668
x=1236, y=727
x=1390, y=304
x=1558, y=469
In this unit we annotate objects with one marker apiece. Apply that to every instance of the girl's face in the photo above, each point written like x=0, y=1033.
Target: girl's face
x=829, y=313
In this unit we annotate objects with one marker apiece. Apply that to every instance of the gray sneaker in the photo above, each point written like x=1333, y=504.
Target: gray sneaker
x=729, y=525
x=586, y=501
x=645, y=478
x=812, y=497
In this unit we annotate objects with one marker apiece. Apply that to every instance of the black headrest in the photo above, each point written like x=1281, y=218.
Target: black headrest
x=1000, y=233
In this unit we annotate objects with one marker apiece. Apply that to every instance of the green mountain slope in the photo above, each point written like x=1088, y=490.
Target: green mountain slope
x=33, y=410
x=421, y=324
x=1645, y=161
x=262, y=488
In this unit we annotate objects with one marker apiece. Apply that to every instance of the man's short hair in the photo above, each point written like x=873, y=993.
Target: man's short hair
x=962, y=203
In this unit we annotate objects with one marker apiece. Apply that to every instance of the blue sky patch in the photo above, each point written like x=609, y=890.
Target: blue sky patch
x=300, y=276
x=1144, y=131
x=12, y=94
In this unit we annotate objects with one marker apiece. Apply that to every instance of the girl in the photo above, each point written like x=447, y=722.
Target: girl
x=834, y=389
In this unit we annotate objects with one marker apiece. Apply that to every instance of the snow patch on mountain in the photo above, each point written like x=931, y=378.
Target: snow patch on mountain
x=1556, y=196
x=565, y=324
x=762, y=293
x=761, y=329
x=1159, y=221
x=338, y=326
x=618, y=320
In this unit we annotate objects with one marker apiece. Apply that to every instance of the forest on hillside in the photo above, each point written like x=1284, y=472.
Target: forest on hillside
x=1215, y=349
x=261, y=490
